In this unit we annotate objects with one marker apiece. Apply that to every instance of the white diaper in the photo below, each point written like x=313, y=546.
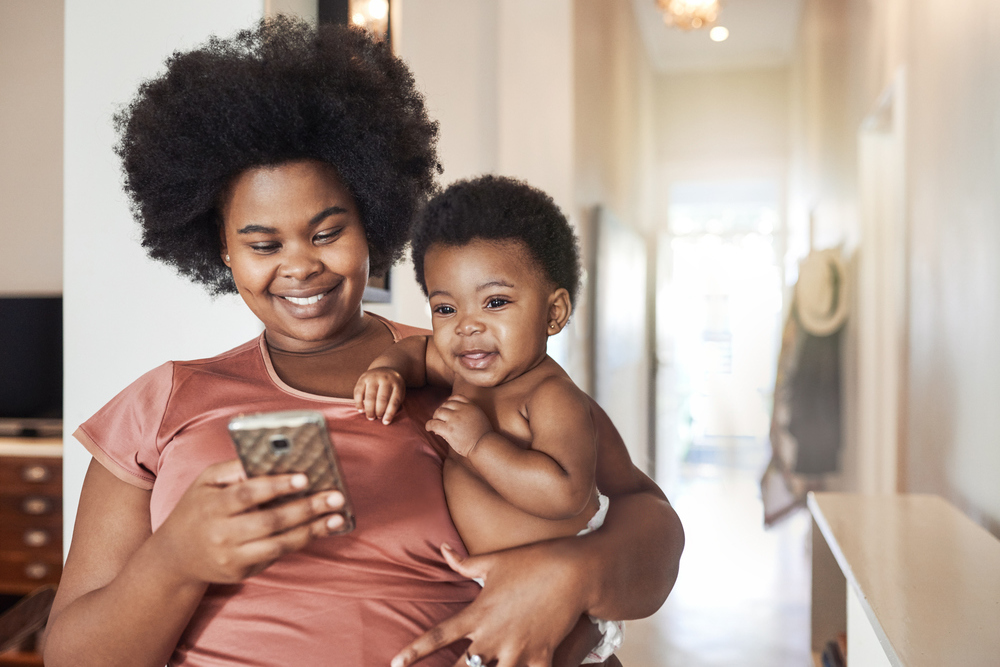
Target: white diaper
x=613, y=631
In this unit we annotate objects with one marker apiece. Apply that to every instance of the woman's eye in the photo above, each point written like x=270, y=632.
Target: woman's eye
x=444, y=310
x=497, y=302
x=327, y=236
x=264, y=248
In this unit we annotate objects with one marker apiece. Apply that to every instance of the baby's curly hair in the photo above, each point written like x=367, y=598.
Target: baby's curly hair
x=497, y=208
x=280, y=91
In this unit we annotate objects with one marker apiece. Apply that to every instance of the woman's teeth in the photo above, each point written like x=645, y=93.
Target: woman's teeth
x=308, y=301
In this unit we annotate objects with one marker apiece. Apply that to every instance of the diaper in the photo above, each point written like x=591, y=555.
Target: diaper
x=613, y=631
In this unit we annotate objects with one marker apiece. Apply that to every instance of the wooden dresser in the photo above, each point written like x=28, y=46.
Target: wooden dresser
x=30, y=522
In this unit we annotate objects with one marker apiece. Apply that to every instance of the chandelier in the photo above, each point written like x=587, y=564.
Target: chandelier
x=372, y=15
x=689, y=14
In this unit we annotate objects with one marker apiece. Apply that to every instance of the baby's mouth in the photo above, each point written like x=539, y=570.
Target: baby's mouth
x=476, y=359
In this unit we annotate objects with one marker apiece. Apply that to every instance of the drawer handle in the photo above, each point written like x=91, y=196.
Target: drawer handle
x=36, y=570
x=36, y=537
x=36, y=473
x=36, y=505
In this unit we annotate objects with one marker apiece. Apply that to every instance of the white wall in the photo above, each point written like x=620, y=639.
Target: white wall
x=851, y=52
x=501, y=88
x=31, y=124
x=125, y=314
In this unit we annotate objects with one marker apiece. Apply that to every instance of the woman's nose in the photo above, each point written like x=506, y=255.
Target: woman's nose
x=302, y=263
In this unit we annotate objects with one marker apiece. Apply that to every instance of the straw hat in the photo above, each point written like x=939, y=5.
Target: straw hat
x=821, y=292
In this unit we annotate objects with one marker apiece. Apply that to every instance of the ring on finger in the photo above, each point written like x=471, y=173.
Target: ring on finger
x=473, y=659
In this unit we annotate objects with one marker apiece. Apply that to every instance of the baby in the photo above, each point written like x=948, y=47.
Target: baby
x=500, y=266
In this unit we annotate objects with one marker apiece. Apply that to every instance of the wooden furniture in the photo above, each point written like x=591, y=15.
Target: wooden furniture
x=30, y=522
x=911, y=579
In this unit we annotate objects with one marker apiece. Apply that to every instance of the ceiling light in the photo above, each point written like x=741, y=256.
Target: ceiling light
x=719, y=33
x=378, y=9
x=689, y=14
x=372, y=15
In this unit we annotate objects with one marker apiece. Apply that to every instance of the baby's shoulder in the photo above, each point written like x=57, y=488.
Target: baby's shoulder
x=557, y=390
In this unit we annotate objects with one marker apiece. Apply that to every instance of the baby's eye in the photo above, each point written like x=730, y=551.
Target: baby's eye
x=444, y=310
x=497, y=302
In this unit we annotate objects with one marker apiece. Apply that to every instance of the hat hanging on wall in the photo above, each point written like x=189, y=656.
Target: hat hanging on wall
x=821, y=293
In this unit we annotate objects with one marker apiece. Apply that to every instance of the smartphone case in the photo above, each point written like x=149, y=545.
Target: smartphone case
x=296, y=441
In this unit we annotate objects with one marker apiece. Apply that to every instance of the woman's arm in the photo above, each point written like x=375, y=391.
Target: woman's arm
x=535, y=594
x=126, y=594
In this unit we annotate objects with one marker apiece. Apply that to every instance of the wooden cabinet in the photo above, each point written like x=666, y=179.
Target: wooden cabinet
x=30, y=523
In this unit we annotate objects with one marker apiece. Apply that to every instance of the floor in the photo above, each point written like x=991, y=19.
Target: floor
x=742, y=595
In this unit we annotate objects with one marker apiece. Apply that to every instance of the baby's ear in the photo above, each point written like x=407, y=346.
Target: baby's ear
x=560, y=308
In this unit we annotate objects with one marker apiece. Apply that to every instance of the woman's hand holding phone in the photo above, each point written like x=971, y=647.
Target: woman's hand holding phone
x=217, y=533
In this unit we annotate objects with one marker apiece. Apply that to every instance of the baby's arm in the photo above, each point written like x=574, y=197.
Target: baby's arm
x=554, y=478
x=411, y=362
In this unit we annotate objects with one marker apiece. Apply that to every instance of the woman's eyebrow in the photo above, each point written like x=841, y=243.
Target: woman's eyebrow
x=315, y=220
x=326, y=213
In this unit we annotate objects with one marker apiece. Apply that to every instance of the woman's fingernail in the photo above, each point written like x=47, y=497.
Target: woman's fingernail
x=335, y=499
x=300, y=481
x=397, y=662
x=334, y=522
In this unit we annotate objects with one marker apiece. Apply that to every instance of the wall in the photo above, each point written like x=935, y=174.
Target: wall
x=951, y=243
x=31, y=137
x=954, y=268
x=123, y=313
x=501, y=89
x=613, y=192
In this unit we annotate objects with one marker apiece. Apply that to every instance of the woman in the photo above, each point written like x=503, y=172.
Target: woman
x=286, y=164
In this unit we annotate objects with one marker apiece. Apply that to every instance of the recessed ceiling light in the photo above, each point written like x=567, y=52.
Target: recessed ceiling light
x=719, y=34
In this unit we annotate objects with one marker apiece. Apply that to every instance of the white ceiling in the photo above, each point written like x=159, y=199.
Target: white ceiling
x=762, y=33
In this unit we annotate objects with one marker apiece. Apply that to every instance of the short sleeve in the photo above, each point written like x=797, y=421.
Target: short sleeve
x=123, y=434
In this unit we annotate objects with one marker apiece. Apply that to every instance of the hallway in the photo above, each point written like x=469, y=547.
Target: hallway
x=742, y=595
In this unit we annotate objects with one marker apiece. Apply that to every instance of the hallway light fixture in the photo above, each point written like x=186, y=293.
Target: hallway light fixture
x=689, y=14
x=372, y=15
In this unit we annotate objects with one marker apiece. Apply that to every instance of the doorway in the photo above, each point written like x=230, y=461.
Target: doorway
x=742, y=595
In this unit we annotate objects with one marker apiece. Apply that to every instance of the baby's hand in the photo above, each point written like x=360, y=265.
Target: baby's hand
x=461, y=423
x=379, y=393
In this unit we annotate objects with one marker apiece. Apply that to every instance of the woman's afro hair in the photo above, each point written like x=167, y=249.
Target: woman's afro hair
x=280, y=91
x=496, y=208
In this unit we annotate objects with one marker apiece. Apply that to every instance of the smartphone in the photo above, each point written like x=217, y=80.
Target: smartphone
x=297, y=441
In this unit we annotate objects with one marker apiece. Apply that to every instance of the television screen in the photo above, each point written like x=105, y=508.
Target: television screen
x=31, y=362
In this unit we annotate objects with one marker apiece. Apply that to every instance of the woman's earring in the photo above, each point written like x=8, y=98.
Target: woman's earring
x=227, y=258
x=552, y=325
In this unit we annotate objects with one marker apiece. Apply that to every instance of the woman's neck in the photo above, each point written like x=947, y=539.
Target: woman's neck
x=350, y=334
x=332, y=369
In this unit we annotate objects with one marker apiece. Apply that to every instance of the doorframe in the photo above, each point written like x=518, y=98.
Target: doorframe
x=882, y=295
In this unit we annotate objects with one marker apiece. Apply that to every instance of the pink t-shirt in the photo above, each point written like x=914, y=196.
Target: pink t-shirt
x=343, y=600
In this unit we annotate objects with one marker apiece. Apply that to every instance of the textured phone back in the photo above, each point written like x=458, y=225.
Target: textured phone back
x=310, y=453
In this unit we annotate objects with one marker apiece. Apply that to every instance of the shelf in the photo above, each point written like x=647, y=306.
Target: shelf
x=925, y=578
